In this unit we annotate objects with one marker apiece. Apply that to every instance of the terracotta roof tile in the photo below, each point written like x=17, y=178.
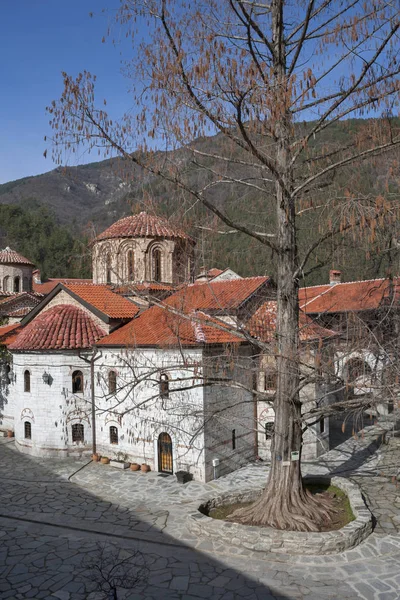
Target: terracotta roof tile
x=105, y=300
x=262, y=325
x=161, y=327
x=8, y=256
x=219, y=296
x=8, y=333
x=142, y=225
x=48, y=286
x=62, y=327
x=351, y=296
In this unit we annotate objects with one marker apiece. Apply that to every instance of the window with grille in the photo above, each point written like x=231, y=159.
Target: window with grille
x=27, y=381
x=27, y=430
x=77, y=382
x=270, y=381
x=78, y=433
x=112, y=382
x=269, y=428
x=113, y=435
x=164, y=386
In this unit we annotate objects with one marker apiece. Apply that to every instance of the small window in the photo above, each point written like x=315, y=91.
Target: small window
x=164, y=386
x=27, y=381
x=108, y=268
x=269, y=428
x=131, y=265
x=77, y=382
x=233, y=439
x=27, y=430
x=322, y=425
x=17, y=284
x=112, y=382
x=270, y=381
x=113, y=435
x=77, y=433
x=8, y=374
x=156, y=264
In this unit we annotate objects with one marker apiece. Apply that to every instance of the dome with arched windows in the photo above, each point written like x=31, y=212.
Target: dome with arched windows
x=143, y=248
x=15, y=272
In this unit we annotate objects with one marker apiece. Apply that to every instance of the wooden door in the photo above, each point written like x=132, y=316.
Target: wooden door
x=165, y=453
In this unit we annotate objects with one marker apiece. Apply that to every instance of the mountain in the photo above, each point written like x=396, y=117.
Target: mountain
x=88, y=198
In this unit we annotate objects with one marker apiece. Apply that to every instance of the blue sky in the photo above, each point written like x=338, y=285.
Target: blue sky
x=38, y=40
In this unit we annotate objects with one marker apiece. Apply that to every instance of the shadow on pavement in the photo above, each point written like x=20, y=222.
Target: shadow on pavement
x=51, y=529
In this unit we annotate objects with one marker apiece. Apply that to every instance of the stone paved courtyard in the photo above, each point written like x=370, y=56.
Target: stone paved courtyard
x=57, y=516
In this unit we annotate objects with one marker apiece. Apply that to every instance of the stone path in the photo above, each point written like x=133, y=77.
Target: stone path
x=56, y=518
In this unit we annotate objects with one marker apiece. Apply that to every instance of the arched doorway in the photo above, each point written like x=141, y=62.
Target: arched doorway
x=165, y=464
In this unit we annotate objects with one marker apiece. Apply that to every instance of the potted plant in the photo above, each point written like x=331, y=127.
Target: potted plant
x=135, y=467
x=104, y=460
x=96, y=457
x=10, y=433
x=145, y=468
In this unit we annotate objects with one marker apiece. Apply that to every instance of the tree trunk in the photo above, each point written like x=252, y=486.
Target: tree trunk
x=285, y=504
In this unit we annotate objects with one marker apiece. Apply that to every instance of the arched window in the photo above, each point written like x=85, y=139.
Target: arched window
x=164, y=386
x=108, y=268
x=6, y=282
x=131, y=265
x=356, y=368
x=17, y=284
x=77, y=382
x=113, y=435
x=27, y=430
x=27, y=381
x=8, y=374
x=78, y=433
x=112, y=382
x=156, y=264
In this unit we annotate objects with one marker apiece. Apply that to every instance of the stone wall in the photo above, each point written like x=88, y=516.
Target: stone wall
x=24, y=272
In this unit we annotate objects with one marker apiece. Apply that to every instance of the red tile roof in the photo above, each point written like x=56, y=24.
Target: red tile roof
x=48, y=286
x=142, y=225
x=101, y=297
x=8, y=333
x=262, y=325
x=8, y=256
x=131, y=288
x=351, y=296
x=219, y=296
x=162, y=328
x=62, y=327
x=214, y=272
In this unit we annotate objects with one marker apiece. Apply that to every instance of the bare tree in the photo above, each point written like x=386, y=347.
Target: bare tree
x=254, y=71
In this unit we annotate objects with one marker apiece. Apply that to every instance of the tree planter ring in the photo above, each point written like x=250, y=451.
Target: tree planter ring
x=268, y=539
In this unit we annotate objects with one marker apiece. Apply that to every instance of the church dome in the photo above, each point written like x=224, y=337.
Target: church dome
x=10, y=257
x=142, y=225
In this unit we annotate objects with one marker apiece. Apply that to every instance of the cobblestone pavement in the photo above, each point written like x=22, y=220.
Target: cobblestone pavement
x=56, y=516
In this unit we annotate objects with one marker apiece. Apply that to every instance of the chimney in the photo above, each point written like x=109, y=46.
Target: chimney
x=202, y=276
x=36, y=276
x=335, y=277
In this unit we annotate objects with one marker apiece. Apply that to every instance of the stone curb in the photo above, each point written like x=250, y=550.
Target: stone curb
x=268, y=539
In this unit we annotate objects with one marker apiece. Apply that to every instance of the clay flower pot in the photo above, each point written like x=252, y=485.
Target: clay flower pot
x=135, y=467
x=104, y=460
x=96, y=457
x=10, y=433
x=145, y=468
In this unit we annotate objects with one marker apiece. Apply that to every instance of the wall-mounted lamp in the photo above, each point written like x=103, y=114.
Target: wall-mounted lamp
x=47, y=378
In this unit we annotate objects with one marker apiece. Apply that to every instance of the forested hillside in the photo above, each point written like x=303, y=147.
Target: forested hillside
x=50, y=217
